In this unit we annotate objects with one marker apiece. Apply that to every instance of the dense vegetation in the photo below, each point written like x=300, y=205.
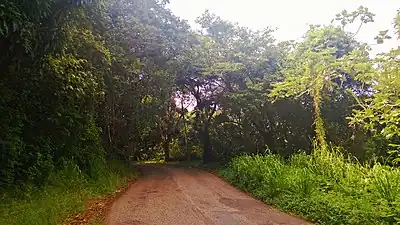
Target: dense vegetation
x=86, y=82
x=66, y=196
x=325, y=188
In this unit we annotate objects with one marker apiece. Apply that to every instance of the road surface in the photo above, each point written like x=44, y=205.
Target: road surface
x=171, y=195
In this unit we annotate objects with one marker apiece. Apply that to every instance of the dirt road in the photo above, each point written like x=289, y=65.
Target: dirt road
x=168, y=195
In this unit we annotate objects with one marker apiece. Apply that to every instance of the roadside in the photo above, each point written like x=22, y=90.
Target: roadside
x=69, y=197
x=96, y=209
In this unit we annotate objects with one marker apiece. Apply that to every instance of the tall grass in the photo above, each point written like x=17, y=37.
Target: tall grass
x=64, y=196
x=325, y=187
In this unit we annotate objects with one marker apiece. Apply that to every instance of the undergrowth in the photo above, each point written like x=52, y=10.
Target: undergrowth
x=63, y=196
x=325, y=187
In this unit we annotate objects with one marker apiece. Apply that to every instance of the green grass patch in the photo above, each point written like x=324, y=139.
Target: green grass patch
x=65, y=195
x=325, y=187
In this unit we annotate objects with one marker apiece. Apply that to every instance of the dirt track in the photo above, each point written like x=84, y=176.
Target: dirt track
x=168, y=195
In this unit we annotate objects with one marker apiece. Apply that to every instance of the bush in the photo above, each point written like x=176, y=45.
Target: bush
x=63, y=196
x=324, y=187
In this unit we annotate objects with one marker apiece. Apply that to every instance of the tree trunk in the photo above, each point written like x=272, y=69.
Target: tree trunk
x=318, y=121
x=187, y=151
x=267, y=137
x=166, y=148
x=207, y=148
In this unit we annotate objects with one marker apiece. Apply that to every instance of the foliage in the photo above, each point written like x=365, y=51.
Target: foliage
x=380, y=109
x=65, y=195
x=397, y=23
x=84, y=82
x=327, y=188
x=75, y=80
x=315, y=70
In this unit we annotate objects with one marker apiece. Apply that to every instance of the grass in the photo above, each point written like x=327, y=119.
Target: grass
x=326, y=187
x=64, y=196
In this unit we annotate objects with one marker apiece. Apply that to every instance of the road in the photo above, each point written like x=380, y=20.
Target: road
x=171, y=195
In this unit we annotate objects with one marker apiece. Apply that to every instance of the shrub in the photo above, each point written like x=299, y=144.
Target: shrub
x=64, y=195
x=324, y=187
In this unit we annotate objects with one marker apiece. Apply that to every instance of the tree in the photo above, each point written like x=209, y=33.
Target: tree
x=380, y=111
x=83, y=76
x=315, y=70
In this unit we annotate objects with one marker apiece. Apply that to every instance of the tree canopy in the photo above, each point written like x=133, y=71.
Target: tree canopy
x=83, y=82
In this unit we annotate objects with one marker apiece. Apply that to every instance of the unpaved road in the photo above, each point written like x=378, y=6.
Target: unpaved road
x=170, y=195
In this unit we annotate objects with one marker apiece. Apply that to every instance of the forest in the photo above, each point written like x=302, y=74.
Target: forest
x=89, y=86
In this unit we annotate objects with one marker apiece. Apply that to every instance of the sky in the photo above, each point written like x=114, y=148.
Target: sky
x=291, y=17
